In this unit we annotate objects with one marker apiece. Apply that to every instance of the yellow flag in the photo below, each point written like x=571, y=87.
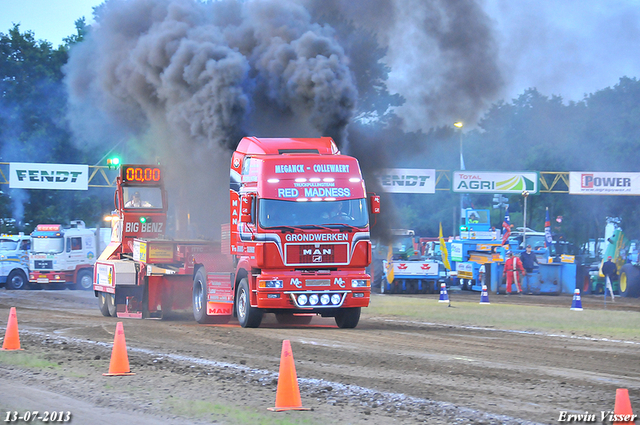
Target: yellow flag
x=390, y=265
x=443, y=250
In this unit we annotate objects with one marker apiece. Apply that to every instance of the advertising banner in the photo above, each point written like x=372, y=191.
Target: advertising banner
x=456, y=251
x=48, y=176
x=408, y=180
x=601, y=183
x=510, y=182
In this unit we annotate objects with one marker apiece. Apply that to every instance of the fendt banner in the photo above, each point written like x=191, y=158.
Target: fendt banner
x=602, y=183
x=510, y=182
x=408, y=180
x=25, y=175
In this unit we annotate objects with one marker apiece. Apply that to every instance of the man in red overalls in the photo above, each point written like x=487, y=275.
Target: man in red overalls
x=513, y=270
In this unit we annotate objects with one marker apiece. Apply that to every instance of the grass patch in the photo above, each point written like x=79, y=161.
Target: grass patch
x=24, y=359
x=234, y=415
x=595, y=323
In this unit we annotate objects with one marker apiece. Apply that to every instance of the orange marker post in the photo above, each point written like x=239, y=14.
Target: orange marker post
x=11, y=337
x=288, y=392
x=622, y=409
x=119, y=365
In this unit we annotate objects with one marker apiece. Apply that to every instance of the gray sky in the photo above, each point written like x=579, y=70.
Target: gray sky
x=564, y=47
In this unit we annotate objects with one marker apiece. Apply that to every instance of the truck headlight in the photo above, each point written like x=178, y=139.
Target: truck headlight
x=335, y=299
x=324, y=299
x=360, y=283
x=313, y=299
x=302, y=299
x=274, y=283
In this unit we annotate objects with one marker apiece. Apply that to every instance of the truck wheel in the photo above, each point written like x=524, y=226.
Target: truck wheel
x=200, y=301
x=107, y=304
x=290, y=319
x=378, y=272
x=16, y=280
x=249, y=317
x=84, y=281
x=348, y=318
x=103, y=303
x=629, y=281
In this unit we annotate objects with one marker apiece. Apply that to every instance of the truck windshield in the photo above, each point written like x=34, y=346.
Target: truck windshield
x=142, y=197
x=47, y=245
x=8, y=245
x=274, y=213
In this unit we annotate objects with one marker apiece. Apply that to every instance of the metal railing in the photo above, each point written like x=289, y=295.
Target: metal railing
x=102, y=176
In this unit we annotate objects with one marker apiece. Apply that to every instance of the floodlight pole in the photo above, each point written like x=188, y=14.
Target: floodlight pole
x=525, y=195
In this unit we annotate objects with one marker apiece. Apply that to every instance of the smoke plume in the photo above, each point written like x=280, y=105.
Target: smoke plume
x=183, y=80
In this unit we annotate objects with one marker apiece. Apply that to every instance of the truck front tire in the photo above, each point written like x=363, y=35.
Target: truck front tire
x=629, y=281
x=249, y=317
x=107, y=304
x=200, y=301
x=17, y=280
x=84, y=280
x=348, y=318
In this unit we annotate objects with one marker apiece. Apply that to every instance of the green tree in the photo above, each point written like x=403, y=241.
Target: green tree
x=33, y=126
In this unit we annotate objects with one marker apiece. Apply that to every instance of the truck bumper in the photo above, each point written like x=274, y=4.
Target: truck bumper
x=312, y=292
x=49, y=277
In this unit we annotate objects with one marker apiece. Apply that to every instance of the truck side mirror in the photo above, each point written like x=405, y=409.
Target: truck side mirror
x=374, y=201
x=246, y=206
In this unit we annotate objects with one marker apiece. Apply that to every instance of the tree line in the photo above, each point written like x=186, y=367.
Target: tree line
x=533, y=132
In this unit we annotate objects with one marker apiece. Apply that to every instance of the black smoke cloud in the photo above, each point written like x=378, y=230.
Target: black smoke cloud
x=182, y=80
x=208, y=77
x=443, y=55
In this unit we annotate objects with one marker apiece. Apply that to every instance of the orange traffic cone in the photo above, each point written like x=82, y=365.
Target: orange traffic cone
x=11, y=337
x=622, y=409
x=119, y=365
x=288, y=392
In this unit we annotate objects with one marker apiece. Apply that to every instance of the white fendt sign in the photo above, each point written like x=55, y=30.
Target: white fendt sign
x=408, y=180
x=25, y=175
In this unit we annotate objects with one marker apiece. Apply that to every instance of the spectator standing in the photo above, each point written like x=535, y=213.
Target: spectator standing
x=529, y=261
x=610, y=272
x=513, y=270
x=482, y=272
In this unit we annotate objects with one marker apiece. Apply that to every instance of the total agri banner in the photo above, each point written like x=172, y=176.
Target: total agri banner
x=597, y=183
x=510, y=182
x=23, y=175
x=408, y=180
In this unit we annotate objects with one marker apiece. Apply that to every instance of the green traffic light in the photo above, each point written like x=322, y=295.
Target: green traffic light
x=113, y=162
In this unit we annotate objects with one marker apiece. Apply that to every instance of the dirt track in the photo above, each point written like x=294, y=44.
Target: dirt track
x=384, y=371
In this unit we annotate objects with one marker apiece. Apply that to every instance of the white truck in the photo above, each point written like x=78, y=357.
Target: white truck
x=14, y=260
x=62, y=255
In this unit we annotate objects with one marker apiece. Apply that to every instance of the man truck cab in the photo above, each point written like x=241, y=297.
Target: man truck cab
x=14, y=260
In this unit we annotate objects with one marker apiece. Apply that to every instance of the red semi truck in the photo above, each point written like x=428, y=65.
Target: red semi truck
x=296, y=245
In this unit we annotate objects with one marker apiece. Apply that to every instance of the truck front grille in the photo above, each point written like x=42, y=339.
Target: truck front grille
x=316, y=254
x=43, y=264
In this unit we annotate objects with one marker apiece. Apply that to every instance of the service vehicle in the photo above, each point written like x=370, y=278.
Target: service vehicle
x=65, y=255
x=622, y=252
x=413, y=271
x=479, y=244
x=14, y=260
x=297, y=242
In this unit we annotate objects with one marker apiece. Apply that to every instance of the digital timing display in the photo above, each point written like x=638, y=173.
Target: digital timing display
x=141, y=174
